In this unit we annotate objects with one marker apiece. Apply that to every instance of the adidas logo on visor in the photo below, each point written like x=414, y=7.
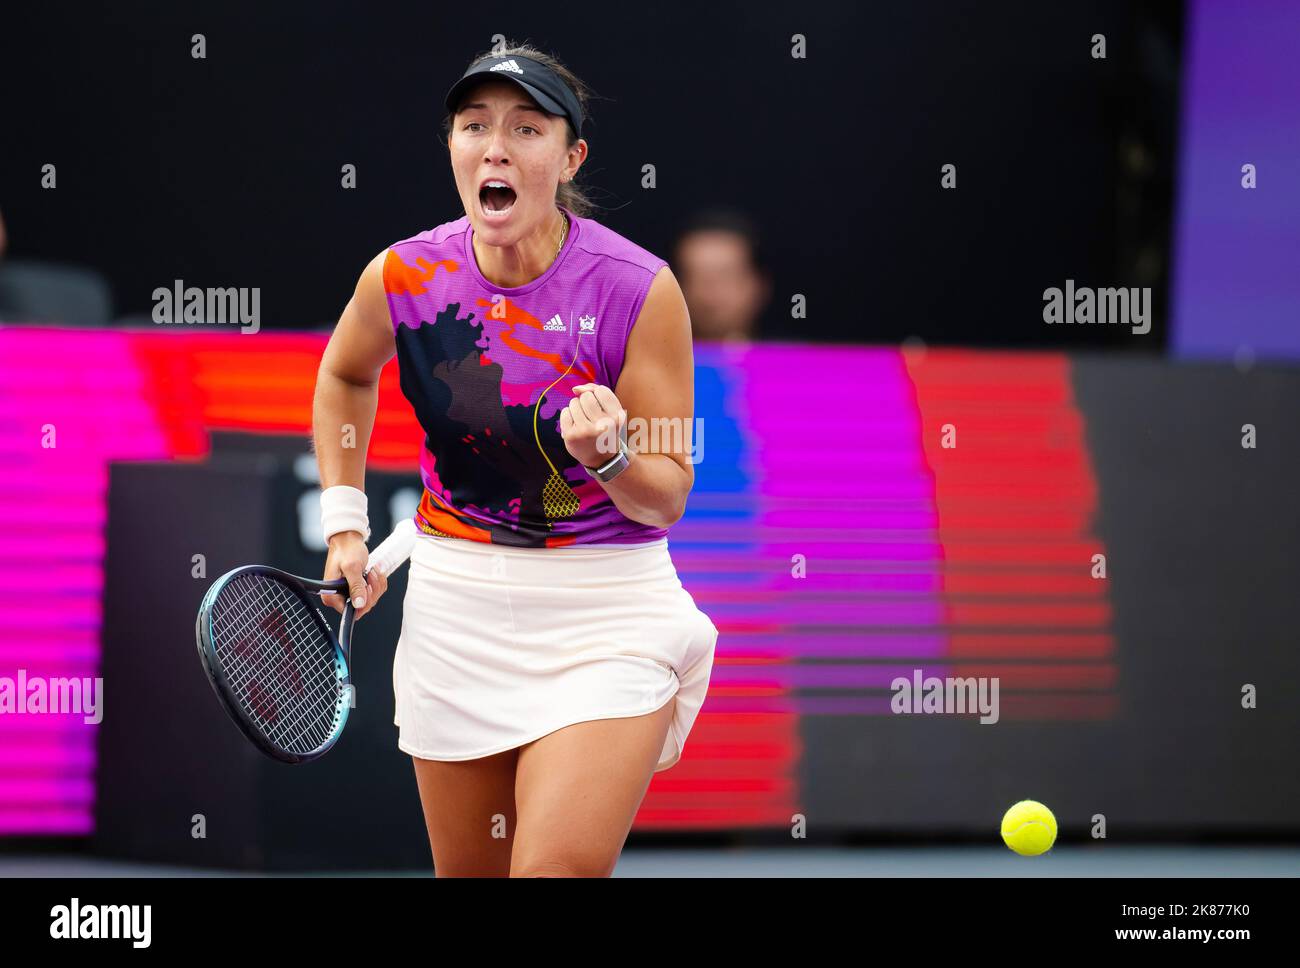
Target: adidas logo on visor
x=508, y=66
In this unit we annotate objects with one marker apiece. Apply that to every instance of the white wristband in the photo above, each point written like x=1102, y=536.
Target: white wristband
x=343, y=508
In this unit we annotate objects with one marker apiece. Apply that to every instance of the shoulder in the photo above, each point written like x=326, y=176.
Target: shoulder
x=405, y=260
x=617, y=253
x=448, y=233
x=663, y=309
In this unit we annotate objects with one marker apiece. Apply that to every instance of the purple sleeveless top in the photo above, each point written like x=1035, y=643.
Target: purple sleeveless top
x=488, y=369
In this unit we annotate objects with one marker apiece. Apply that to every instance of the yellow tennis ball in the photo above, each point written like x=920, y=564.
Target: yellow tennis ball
x=1029, y=828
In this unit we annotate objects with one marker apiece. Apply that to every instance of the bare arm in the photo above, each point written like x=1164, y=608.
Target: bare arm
x=343, y=418
x=347, y=384
x=656, y=388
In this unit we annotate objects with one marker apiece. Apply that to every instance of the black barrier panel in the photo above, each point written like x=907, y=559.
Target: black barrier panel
x=1200, y=536
x=167, y=751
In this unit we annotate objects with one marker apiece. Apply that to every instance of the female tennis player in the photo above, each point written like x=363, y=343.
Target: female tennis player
x=550, y=660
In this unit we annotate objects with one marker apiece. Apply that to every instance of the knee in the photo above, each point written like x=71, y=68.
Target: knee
x=563, y=865
x=469, y=864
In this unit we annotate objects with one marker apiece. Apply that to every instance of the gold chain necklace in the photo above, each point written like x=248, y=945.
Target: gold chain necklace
x=564, y=234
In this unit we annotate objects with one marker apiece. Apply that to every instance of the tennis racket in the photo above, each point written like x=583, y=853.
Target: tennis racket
x=274, y=662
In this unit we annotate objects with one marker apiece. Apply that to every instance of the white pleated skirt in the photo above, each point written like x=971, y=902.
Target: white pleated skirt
x=502, y=645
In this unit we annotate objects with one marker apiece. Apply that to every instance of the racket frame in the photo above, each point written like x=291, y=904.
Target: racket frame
x=308, y=592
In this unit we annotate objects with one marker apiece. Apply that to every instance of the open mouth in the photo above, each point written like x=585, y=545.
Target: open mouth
x=496, y=199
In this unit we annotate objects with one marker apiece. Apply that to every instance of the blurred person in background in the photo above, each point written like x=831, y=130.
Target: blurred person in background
x=718, y=258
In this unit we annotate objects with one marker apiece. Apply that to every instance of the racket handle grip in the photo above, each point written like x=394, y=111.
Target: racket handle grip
x=392, y=552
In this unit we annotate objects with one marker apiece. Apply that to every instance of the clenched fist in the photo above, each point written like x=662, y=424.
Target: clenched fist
x=592, y=424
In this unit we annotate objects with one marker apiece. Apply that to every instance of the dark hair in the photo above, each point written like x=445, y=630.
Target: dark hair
x=732, y=221
x=569, y=194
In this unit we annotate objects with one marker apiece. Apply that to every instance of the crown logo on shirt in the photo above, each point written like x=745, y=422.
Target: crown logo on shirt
x=554, y=325
x=586, y=324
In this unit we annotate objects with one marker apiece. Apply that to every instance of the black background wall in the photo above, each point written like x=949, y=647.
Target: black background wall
x=226, y=171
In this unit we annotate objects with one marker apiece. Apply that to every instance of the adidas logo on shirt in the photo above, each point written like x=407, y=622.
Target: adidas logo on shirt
x=554, y=325
x=509, y=66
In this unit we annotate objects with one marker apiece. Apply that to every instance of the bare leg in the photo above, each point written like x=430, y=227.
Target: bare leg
x=577, y=791
x=469, y=808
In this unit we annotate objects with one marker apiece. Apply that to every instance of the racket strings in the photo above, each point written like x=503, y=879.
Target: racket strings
x=280, y=665
x=268, y=641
